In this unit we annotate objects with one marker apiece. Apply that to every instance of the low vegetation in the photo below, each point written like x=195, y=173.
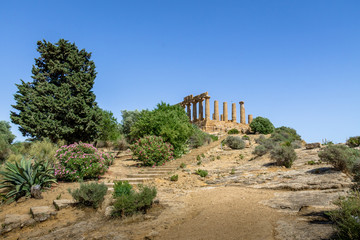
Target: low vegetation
x=342, y=157
x=353, y=142
x=347, y=217
x=80, y=161
x=283, y=155
x=234, y=142
x=152, y=150
x=201, y=173
x=134, y=202
x=18, y=178
x=90, y=194
x=174, y=178
x=233, y=131
x=122, y=188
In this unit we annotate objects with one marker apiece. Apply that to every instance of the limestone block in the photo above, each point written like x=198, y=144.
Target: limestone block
x=108, y=211
x=13, y=221
x=63, y=203
x=312, y=145
x=42, y=213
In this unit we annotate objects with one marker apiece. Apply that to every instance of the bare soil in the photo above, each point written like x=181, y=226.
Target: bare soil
x=215, y=207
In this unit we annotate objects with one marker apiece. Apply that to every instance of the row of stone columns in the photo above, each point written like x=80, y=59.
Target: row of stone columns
x=224, y=116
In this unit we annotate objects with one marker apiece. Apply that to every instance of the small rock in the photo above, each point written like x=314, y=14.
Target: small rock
x=151, y=235
x=63, y=203
x=312, y=145
x=36, y=192
x=108, y=211
x=13, y=221
x=22, y=199
x=156, y=201
x=42, y=213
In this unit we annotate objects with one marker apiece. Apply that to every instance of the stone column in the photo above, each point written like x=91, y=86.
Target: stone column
x=213, y=116
x=194, y=110
x=250, y=118
x=216, y=110
x=207, y=108
x=201, y=109
x=189, y=110
x=242, y=113
x=233, y=112
x=221, y=117
x=225, y=112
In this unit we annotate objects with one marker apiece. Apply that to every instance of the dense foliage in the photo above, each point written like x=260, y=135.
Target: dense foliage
x=283, y=134
x=284, y=155
x=233, y=131
x=262, y=125
x=169, y=122
x=6, y=138
x=128, y=120
x=353, y=141
x=199, y=138
x=18, y=178
x=152, y=150
x=341, y=157
x=347, y=217
x=122, y=188
x=59, y=102
x=80, y=161
x=90, y=194
x=129, y=204
x=109, y=128
x=235, y=142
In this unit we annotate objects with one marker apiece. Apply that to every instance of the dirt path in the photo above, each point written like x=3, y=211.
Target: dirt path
x=241, y=198
x=225, y=213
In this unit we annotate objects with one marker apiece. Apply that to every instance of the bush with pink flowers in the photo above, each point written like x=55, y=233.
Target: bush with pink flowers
x=80, y=161
x=152, y=150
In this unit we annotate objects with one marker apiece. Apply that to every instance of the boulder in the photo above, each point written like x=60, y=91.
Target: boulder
x=312, y=145
x=63, y=203
x=36, y=192
x=108, y=211
x=42, y=213
x=13, y=221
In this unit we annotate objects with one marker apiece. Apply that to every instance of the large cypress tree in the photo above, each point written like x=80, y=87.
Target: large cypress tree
x=59, y=102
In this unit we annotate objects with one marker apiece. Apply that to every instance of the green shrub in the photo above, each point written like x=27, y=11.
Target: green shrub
x=43, y=150
x=347, y=217
x=233, y=131
x=218, y=157
x=182, y=165
x=214, y=138
x=341, y=157
x=353, y=141
x=108, y=127
x=260, y=150
x=199, y=163
x=199, y=138
x=245, y=137
x=129, y=118
x=169, y=122
x=262, y=125
x=80, y=161
x=120, y=144
x=198, y=157
x=232, y=171
x=6, y=138
x=174, y=178
x=235, y=142
x=283, y=134
x=122, y=188
x=284, y=155
x=152, y=150
x=141, y=201
x=201, y=173
x=261, y=139
x=18, y=178
x=296, y=144
x=90, y=194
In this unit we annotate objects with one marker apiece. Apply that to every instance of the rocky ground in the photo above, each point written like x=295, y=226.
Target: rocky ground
x=243, y=197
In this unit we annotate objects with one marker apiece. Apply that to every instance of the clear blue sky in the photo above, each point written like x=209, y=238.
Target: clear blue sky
x=294, y=62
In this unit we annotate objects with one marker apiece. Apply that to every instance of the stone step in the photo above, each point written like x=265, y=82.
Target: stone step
x=130, y=180
x=161, y=172
x=144, y=175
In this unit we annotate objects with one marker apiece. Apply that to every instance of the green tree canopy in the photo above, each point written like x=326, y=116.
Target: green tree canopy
x=169, y=122
x=109, y=128
x=59, y=102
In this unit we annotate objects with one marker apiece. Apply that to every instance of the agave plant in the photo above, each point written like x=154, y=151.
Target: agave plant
x=18, y=178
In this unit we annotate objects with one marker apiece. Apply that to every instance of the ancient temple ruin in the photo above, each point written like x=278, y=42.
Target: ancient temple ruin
x=217, y=123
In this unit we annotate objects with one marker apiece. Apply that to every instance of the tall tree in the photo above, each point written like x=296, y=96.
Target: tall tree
x=59, y=103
